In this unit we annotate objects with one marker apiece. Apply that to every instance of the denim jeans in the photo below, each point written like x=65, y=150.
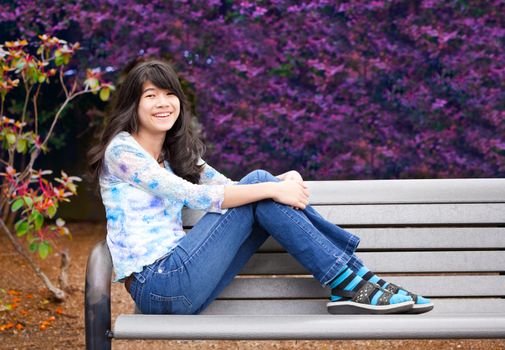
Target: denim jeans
x=212, y=253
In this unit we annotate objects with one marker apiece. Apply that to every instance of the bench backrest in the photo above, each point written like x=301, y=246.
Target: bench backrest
x=442, y=238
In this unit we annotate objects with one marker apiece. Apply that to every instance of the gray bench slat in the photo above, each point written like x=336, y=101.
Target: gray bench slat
x=408, y=238
x=407, y=191
x=431, y=286
x=318, y=307
x=391, y=214
x=308, y=327
x=400, y=214
x=383, y=262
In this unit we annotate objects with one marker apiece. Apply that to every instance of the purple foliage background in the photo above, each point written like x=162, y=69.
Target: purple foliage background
x=333, y=89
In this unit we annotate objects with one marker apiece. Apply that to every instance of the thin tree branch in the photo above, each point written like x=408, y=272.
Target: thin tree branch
x=63, y=83
x=25, y=105
x=35, y=109
x=67, y=101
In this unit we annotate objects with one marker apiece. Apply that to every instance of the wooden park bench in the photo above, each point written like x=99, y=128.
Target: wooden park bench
x=443, y=239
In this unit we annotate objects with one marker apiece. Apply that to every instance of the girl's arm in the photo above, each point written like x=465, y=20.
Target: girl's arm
x=127, y=163
x=210, y=176
x=289, y=192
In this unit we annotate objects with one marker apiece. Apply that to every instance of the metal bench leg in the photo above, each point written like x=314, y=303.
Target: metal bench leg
x=97, y=316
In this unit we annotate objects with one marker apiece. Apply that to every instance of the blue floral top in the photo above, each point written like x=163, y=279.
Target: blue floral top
x=143, y=203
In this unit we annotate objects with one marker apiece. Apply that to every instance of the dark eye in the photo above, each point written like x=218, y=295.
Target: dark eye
x=150, y=95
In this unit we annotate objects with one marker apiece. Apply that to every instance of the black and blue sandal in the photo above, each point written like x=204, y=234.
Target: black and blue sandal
x=421, y=304
x=367, y=298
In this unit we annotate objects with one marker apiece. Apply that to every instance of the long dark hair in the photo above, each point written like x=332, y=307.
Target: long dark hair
x=182, y=147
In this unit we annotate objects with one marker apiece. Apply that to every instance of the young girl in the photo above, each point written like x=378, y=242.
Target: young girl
x=149, y=166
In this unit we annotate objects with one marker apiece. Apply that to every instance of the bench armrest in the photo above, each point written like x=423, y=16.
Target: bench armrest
x=97, y=313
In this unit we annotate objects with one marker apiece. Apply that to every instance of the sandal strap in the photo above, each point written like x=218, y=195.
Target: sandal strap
x=385, y=298
x=393, y=288
x=381, y=282
x=365, y=294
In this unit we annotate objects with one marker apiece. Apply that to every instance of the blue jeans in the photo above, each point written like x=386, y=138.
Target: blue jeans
x=213, y=252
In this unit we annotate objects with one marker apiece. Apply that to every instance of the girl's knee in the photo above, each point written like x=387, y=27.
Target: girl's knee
x=258, y=175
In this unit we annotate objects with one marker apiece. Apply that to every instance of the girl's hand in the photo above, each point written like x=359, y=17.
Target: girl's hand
x=293, y=175
x=293, y=193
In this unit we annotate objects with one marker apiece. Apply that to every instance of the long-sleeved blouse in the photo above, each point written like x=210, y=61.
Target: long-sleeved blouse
x=143, y=203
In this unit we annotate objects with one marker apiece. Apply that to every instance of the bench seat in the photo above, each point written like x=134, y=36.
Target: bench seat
x=443, y=239
x=469, y=325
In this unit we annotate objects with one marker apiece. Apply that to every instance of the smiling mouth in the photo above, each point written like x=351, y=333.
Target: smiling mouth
x=163, y=115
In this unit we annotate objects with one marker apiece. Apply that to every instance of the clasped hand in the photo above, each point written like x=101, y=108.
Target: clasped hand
x=292, y=191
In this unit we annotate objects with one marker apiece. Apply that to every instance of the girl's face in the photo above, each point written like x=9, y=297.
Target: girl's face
x=158, y=109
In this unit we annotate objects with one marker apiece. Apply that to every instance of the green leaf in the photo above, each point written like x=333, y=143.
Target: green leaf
x=92, y=83
x=51, y=211
x=38, y=219
x=33, y=246
x=28, y=201
x=18, y=203
x=21, y=228
x=33, y=74
x=20, y=66
x=21, y=146
x=11, y=138
x=16, y=225
x=58, y=60
x=104, y=94
x=44, y=249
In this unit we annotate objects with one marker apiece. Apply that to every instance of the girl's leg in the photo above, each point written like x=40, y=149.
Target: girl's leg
x=327, y=250
x=201, y=265
x=246, y=251
x=336, y=234
x=312, y=256
x=205, y=261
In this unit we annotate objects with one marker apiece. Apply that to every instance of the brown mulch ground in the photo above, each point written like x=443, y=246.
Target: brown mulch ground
x=37, y=323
